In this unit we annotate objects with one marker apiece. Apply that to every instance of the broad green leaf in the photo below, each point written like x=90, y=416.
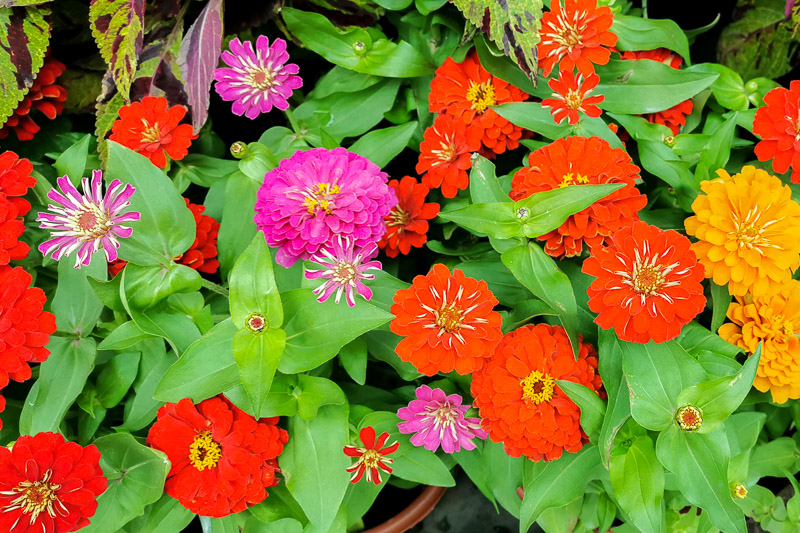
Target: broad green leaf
x=141, y=407
x=497, y=219
x=593, y=409
x=282, y=525
x=22, y=56
x=381, y=146
x=314, y=392
x=524, y=312
x=638, y=482
x=773, y=458
x=381, y=343
x=721, y=300
x=75, y=304
x=500, y=66
x=499, y=278
x=252, y=286
x=72, y=162
x=204, y=170
x=718, y=151
x=124, y=336
x=257, y=357
x=145, y=286
x=237, y=229
x=473, y=464
x=116, y=378
x=694, y=338
x=729, y=88
x=167, y=514
x=483, y=184
x=280, y=504
x=743, y=429
x=619, y=407
x=178, y=329
x=636, y=33
x=658, y=159
x=505, y=475
x=359, y=498
x=118, y=29
x=353, y=358
x=532, y=116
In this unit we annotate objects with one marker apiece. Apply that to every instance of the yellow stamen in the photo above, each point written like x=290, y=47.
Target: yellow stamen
x=481, y=95
x=204, y=452
x=537, y=387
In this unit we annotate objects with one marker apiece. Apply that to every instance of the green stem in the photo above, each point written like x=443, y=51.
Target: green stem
x=644, y=9
x=213, y=287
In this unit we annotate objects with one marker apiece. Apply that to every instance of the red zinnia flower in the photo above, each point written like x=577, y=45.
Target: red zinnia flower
x=407, y=222
x=518, y=400
x=15, y=180
x=575, y=161
x=777, y=122
x=648, y=283
x=43, y=95
x=222, y=458
x=48, y=484
x=11, y=227
x=151, y=129
x=447, y=320
x=675, y=116
x=572, y=95
x=466, y=91
x=2, y=408
x=446, y=155
x=371, y=457
x=576, y=35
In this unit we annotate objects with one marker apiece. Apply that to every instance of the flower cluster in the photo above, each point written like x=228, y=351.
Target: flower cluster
x=44, y=96
x=777, y=123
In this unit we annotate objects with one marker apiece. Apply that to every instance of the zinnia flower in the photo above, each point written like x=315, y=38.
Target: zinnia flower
x=11, y=228
x=44, y=95
x=571, y=96
x=257, y=79
x=438, y=419
x=407, y=222
x=16, y=180
x=222, y=459
x=371, y=456
x=575, y=35
x=519, y=402
x=318, y=194
x=345, y=268
x=85, y=223
x=746, y=226
x=777, y=122
x=647, y=284
x=48, y=484
x=24, y=328
x=149, y=128
x=774, y=321
x=465, y=91
x=675, y=116
x=447, y=321
x=446, y=155
x=579, y=161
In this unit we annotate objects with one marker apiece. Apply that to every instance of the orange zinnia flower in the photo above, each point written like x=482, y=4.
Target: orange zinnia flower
x=407, y=222
x=775, y=321
x=647, y=284
x=777, y=122
x=675, y=116
x=746, y=225
x=446, y=155
x=578, y=161
x=519, y=402
x=448, y=322
x=575, y=35
x=466, y=91
x=151, y=129
x=44, y=95
x=572, y=95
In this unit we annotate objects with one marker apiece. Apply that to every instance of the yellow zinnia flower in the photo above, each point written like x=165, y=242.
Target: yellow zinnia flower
x=774, y=320
x=746, y=226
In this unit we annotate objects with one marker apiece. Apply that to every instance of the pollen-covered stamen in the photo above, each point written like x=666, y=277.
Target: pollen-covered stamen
x=647, y=276
x=572, y=179
x=447, y=152
x=749, y=233
x=35, y=498
x=449, y=318
x=689, y=418
x=398, y=217
x=566, y=34
x=738, y=491
x=481, y=95
x=151, y=134
x=261, y=78
x=320, y=197
x=91, y=222
x=204, y=452
x=537, y=387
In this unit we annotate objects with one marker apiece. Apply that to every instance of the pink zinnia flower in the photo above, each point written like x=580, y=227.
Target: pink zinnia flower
x=85, y=223
x=437, y=419
x=344, y=268
x=371, y=457
x=257, y=80
x=318, y=194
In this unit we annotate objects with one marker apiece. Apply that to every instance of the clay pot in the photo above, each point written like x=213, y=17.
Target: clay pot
x=413, y=514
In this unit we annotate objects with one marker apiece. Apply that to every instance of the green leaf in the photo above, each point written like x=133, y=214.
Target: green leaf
x=721, y=300
x=381, y=146
x=718, y=152
x=136, y=476
x=499, y=278
x=483, y=184
x=257, y=357
x=116, y=378
x=314, y=392
x=353, y=358
x=694, y=338
x=638, y=482
x=237, y=229
x=505, y=475
x=75, y=304
x=593, y=409
x=141, y=407
x=773, y=458
x=145, y=286
x=532, y=116
x=497, y=219
x=728, y=89
x=282, y=525
x=635, y=33
x=618, y=409
x=472, y=462
x=118, y=29
x=167, y=514
x=124, y=336
x=204, y=170
x=252, y=286
x=500, y=66
x=72, y=162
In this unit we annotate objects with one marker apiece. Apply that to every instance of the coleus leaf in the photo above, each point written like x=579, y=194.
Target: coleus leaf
x=118, y=29
x=512, y=24
x=21, y=3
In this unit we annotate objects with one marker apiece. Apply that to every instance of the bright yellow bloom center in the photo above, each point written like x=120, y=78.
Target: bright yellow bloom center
x=398, y=217
x=371, y=458
x=749, y=232
x=537, y=387
x=261, y=78
x=738, y=491
x=647, y=280
x=689, y=418
x=320, y=196
x=574, y=99
x=449, y=318
x=570, y=179
x=91, y=222
x=35, y=497
x=151, y=134
x=204, y=452
x=569, y=36
x=481, y=95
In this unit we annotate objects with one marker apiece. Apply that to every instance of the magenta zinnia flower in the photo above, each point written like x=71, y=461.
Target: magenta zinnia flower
x=344, y=268
x=84, y=223
x=257, y=80
x=437, y=419
x=318, y=194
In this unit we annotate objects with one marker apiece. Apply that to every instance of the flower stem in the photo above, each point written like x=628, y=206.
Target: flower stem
x=213, y=287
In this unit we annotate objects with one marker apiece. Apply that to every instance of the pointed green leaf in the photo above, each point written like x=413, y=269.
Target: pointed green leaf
x=636, y=33
x=252, y=286
x=593, y=409
x=638, y=482
x=483, y=184
x=75, y=304
x=497, y=219
x=383, y=145
x=257, y=357
x=619, y=407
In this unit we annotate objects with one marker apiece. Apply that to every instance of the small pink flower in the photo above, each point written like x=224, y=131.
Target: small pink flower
x=344, y=268
x=437, y=419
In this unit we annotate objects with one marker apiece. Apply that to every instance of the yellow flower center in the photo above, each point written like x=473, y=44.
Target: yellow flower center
x=749, y=233
x=647, y=279
x=537, y=387
x=449, y=318
x=398, y=217
x=570, y=179
x=574, y=100
x=371, y=458
x=344, y=273
x=91, y=222
x=481, y=95
x=446, y=152
x=204, y=452
x=320, y=196
x=261, y=78
x=738, y=491
x=689, y=418
x=569, y=36
x=35, y=497
x=151, y=134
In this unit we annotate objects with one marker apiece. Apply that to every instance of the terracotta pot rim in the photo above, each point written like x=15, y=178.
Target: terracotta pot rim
x=413, y=514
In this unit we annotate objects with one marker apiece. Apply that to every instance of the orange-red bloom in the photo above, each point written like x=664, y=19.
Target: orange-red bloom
x=647, y=284
x=445, y=155
x=202, y=254
x=578, y=161
x=447, y=321
x=575, y=35
x=44, y=95
x=151, y=129
x=15, y=180
x=572, y=95
x=777, y=122
x=466, y=91
x=675, y=116
x=407, y=222
x=11, y=228
x=519, y=402
x=371, y=456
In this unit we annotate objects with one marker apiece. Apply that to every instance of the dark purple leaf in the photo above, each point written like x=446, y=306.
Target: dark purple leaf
x=198, y=58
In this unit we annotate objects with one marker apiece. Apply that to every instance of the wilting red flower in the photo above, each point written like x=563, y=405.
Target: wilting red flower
x=466, y=91
x=572, y=95
x=446, y=155
x=222, y=458
x=675, y=116
x=647, y=284
x=518, y=399
x=15, y=180
x=447, y=320
x=11, y=228
x=371, y=457
x=44, y=95
x=407, y=222
x=575, y=35
x=48, y=484
x=777, y=122
x=151, y=129
x=573, y=161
